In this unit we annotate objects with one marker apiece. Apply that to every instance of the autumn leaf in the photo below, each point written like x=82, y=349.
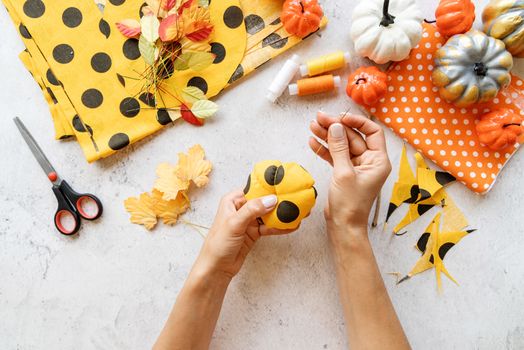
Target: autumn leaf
x=130, y=28
x=199, y=31
x=170, y=28
x=193, y=166
x=189, y=117
x=185, y=5
x=204, y=109
x=191, y=94
x=200, y=60
x=168, y=182
x=141, y=210
x=150, y=26
x=169, y=211
x=189, y=45
x=147, y=50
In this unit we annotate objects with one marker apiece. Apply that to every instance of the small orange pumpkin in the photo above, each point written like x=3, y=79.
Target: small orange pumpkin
x=367, y=85
x=499, y=129
x=301, y=17
x=454, y=16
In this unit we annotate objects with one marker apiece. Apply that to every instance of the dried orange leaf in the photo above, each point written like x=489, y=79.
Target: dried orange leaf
x=130, y=28
x=193, y=166
x=170, y=210
x=142, y=210
x=199, y=31
x=169, y=182
x=171, y=28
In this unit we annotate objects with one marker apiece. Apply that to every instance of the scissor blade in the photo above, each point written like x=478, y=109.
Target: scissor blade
x=33, y=146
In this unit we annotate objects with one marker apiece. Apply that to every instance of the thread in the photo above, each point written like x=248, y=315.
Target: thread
x=325, y=63
x=316, y=85
x=283, y=78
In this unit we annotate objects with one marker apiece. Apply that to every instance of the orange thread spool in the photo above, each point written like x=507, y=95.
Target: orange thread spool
x=314, y=85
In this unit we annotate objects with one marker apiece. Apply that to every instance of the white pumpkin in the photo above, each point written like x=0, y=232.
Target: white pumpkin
x=386, y=30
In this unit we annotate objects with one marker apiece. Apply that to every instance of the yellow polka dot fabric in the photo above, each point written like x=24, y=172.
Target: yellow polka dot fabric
x=90, y=74
x=444, y=133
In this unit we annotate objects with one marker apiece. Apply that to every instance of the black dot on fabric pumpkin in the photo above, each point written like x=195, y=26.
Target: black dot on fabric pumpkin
x=52, y=95
x=248, y=184
x=34, y=8
x=254, y=24
x=104, y=28
x=92, y=98
x=444, y=178
x=444, y=249
x=24, y=32
x=220, y=52
x=121, y=79
x=129, y=107
x=63, y=53
x=162, y=116
x=130, y=49
x=392, y=207
x=79, y=126
x=237, y=74
x=274, y=40
x=287, y=212
x=148, y=98
x=276, y=21
x=117, y=2
x=432, y=259
x=198, y=82
x=72, y=17
x=316, y=193
x=233, y=17
x=51, y=78
x=279, y=175
x=118, y=141
x=101, y=62
x=269, y=175
x=423, y=208
x=423, y=241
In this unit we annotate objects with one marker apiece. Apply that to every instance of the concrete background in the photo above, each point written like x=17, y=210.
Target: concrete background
x=113, y=285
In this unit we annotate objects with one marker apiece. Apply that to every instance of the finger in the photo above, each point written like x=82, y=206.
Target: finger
x=357, y=144
x=253, y=232
x=229, y=200
x=318, y=130
x=255, y=208
x=320, y=150
x=339, y=147
x=325, y=120
x=268, y=231
x=239, y=201
x=249, y=241
x=375, y=139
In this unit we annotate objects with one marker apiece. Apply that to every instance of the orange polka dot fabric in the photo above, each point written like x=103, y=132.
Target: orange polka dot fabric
x=414, y=110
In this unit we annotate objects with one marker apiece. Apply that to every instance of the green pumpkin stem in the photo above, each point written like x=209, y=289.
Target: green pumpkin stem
x=387, y=18
x=480, y=69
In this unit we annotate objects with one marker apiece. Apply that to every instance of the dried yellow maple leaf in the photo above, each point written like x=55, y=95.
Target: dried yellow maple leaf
x=169, y=211
x=142, y=210
x=193, y=166
x=168, y=182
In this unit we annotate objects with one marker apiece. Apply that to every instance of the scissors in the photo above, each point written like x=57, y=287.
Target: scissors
x=71, y=205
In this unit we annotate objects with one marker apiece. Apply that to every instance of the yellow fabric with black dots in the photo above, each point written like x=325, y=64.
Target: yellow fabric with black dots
x=292, y=185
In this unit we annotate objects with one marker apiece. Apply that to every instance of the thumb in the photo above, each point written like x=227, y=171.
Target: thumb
x=256, y=208
x=339, y=147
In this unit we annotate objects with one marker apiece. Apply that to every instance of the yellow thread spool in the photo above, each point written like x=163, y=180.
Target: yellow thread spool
x=316, y=85
x=325, y=63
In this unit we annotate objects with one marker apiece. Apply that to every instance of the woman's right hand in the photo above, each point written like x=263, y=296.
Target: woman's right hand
x=357, y=151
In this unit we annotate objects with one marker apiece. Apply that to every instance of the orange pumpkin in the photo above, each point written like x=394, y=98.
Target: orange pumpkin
x=367, y=85
x=499, y=129
x=301, y=17
x=454, y=16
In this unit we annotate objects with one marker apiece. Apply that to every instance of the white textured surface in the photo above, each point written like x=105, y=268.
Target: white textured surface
x=113, y=285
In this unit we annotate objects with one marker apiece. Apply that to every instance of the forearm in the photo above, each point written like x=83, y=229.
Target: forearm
x=195, y=313
x=371, y=320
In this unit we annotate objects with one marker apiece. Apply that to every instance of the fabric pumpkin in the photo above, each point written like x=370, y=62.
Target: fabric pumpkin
x=367, y=85
x=471, y=68
x=301, y=17
x=454, y=16
x=386, y=30
x=502, y=19
x=293, y=187
x=499, y=129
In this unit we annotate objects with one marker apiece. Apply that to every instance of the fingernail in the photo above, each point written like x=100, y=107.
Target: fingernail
x=336, y=130
x=269, y=201
x=313, y=121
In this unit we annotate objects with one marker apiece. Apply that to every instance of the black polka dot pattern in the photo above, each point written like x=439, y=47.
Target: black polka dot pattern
x=233, y=17
x=423, y=242
x=118, y=141
x=104, y=28
x=220, y=52
x=148, y=98
x=130, y=49
x=237, y=74
x=274, y=40
x=254, y=24
x=92, y=98
x=51, y=78
x=101, y=62
x=287, y=212
x=275, y=22
x=72, y=17
x=248, y=184
x=198, y=82
x=392, y=207
x=423, y=208
x=116, y=2
x=162, y=116
x=24, y=32
x=52, y=95
x=442, y=251
x=315, y=190
x=274, y=175
x=140, y=13
x=63, y=53
x=444, y=178
x=121, y=79
x=432, y=259
x=34, y=8
x=129, y=107
x=79, y=126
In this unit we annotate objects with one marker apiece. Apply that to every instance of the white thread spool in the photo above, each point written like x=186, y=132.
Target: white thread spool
x=283, y=78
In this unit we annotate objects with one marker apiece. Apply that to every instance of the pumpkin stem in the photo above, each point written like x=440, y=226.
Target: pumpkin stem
x=301, y=6
x=480, y=69
x=428, y=21
x=360, y=80
x=510, y=124
x=387, y=18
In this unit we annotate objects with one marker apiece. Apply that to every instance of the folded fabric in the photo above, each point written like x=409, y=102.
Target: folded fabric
x=414, y=110
x=91, y=75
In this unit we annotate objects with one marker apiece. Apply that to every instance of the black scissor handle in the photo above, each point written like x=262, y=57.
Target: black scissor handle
x=87, y=205
x=67, y=220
